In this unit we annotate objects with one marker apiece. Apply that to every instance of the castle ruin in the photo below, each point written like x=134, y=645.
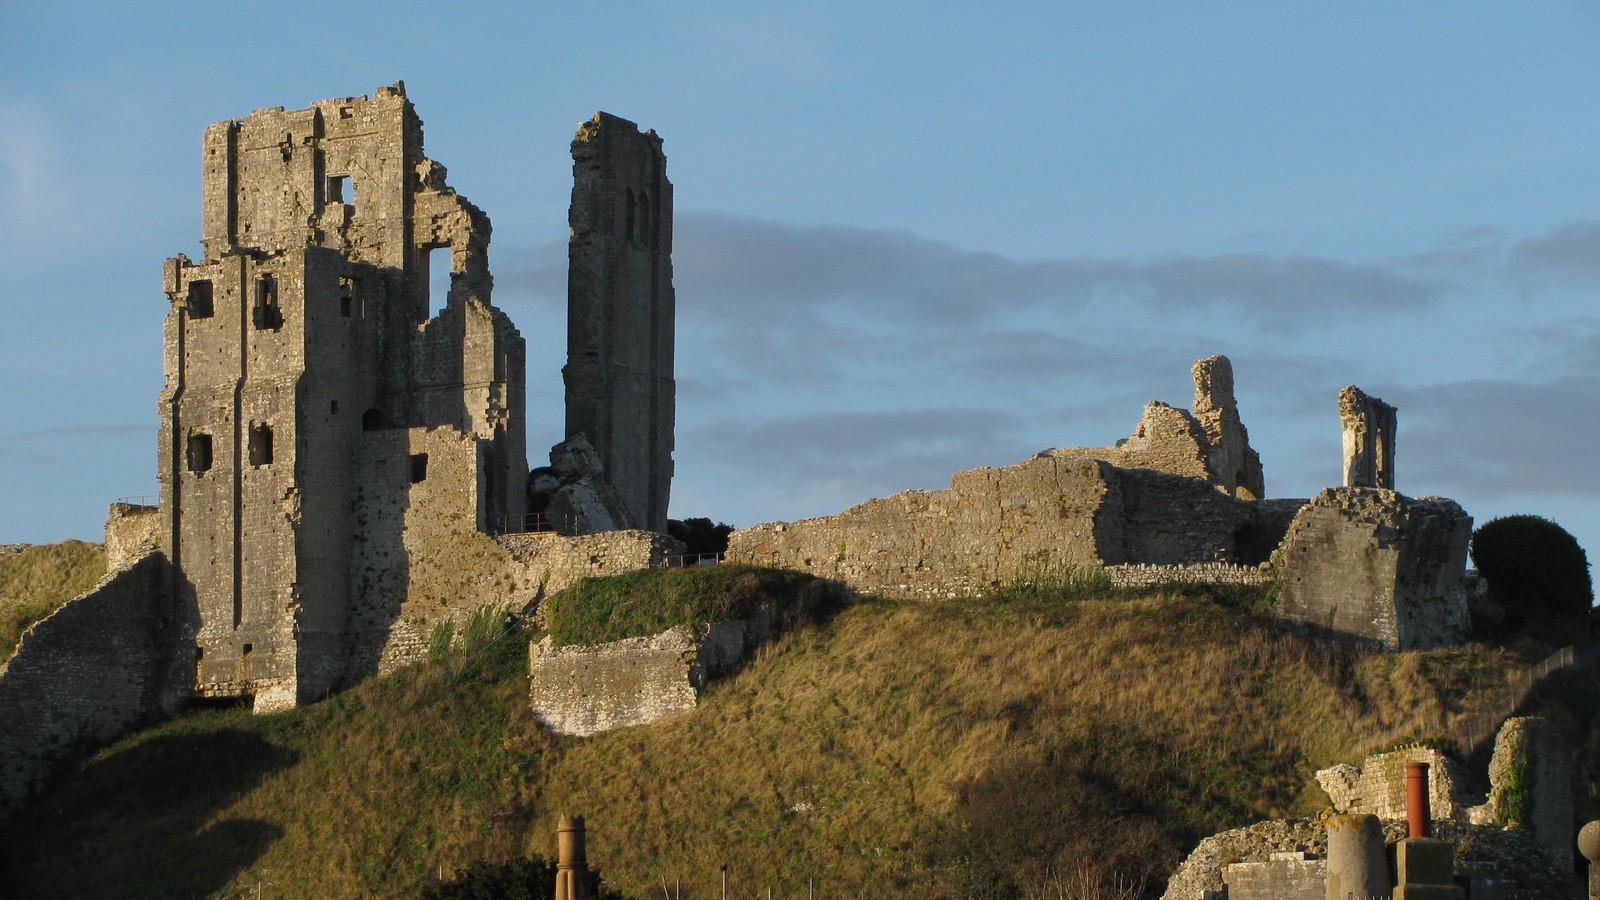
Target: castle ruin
x=310, y=386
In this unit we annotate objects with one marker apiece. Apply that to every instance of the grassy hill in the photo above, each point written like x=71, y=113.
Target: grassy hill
x=955, y=749
x=37, y=580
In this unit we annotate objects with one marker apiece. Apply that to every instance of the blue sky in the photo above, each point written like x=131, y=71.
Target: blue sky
x=911, y=239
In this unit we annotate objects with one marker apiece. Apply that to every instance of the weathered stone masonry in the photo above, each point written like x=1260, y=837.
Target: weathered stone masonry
x=85, y=674
x=294, y=350
x=1179, y=500
x=620, y=312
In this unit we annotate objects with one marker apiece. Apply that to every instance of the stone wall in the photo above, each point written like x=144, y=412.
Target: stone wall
x=1147, y=576
x=421, y=560
x=132, y=530
x=1537, y=744
x=1373, y=563
x=1289, y=875
x=85, y=674
x=993, y=527
x=1210, y=443
x=1378, y=785
x=583, y=690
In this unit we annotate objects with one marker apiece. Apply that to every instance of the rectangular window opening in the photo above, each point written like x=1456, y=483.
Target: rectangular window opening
x=438, y=268
x=265, y=313
x=341, y=190
x=350, y=297
x=260, y=444
x=419, y=467
x=199, y=302
x=199, y=452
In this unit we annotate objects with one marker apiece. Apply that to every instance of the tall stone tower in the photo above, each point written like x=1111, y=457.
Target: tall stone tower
x=620, y=391
x=308, y=381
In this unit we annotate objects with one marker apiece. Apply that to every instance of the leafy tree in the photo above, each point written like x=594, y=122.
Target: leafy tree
x=1535, y=570
x=700, y=536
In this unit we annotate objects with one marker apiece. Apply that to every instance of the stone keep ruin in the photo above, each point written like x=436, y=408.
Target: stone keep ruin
x=325, y=432
x=342, y=457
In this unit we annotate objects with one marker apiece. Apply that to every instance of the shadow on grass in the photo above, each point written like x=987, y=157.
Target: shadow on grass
x=145, y=820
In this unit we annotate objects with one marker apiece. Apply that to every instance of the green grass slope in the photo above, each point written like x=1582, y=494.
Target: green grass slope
x=36, y=581
x=933, y=750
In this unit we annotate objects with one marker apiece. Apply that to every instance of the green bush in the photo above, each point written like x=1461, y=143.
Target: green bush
x=1535, y=570
x=649, y=601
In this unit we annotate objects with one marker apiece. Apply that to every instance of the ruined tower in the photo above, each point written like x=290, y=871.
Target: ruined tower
x=313, y=388
x=620, y=391
x=1368, y=424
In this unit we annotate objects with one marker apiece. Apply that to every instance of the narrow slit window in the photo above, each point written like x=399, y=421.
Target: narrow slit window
x=260, y=444
x=627, y=224
x=200, y=305
x=350, y=297
x=265, y=312
x=419, y=467
x=439, y=277
x=643, y=228
x=199, y=452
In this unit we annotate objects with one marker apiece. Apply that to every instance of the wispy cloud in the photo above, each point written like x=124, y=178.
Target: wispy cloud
x=1500, y=438
x=1570, y=253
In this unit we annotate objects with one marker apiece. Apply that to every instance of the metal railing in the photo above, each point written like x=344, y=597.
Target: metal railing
x=141, y=500
x=691, y=559
x=533, y=523
x=1484, y=725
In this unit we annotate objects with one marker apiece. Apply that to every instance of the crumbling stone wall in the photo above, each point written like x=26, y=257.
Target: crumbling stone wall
x=1369, y=431
x=132, y=530
x=1233, y=465
x=422, y=560
x=1373, y=563
x=1210, y=444
x=1509, y=860
x=1287, y=875
x=584, y=690
x=620, y=312
x=1531, y=748
x=85, y=674
x=1143, y=575
x=995, y=526
x=1378, y=785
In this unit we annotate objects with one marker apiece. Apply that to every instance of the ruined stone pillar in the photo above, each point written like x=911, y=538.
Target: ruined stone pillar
x=1357, y=867
x=572, y=864
x=1534, y=761
x=1369, y=429
x=1234, y=466
x=620, y=312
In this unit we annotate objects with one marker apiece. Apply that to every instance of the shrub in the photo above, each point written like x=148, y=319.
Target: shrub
x=648, y=601
x=1535, y=570
x=700, y=537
